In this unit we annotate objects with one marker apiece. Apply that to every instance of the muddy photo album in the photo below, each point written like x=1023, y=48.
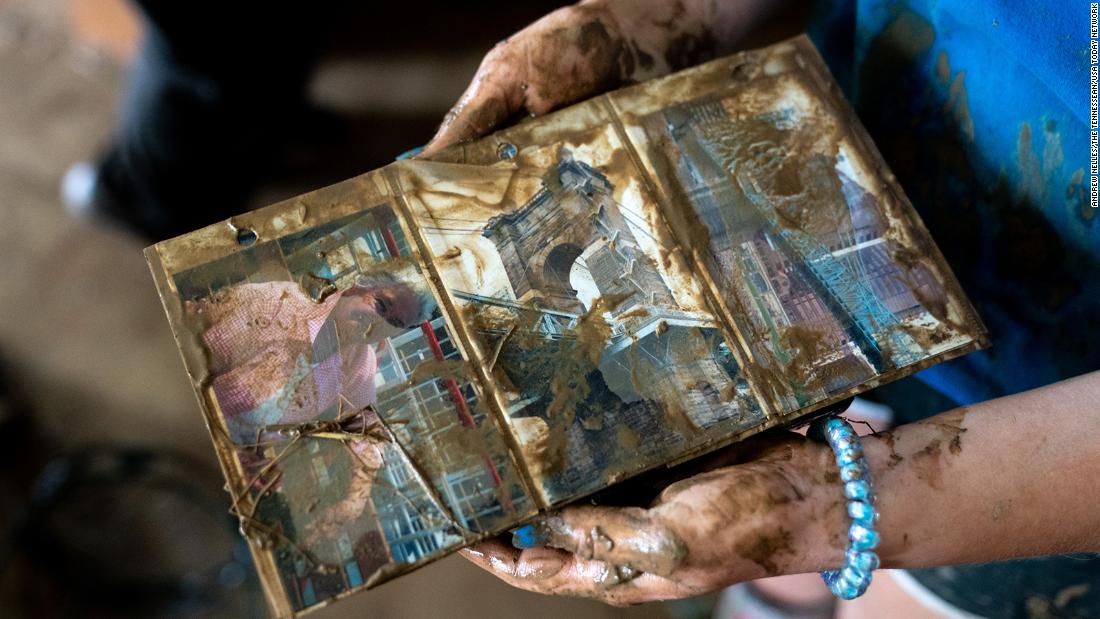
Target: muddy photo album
x=432, y=353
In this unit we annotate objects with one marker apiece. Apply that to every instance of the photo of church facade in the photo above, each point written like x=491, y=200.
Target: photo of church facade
x=662, y=376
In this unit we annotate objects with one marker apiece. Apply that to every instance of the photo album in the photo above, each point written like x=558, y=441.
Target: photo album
x=431, y=353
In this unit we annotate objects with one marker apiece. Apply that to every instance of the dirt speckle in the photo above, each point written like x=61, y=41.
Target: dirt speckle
x=627, y=437
x=955, y=446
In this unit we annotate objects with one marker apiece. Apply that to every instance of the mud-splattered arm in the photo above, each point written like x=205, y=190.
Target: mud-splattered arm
x=1012, y=477
x=585, y=49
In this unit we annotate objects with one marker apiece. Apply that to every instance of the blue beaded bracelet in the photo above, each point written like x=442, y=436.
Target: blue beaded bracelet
x=852, y=580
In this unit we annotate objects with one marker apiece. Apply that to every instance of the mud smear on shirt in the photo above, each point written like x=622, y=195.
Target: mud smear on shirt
x=956, y=105
x=1042, y=607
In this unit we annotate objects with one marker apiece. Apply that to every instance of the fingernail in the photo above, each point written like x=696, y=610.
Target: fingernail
x=409, y=154
x=529, y=536
x=504, y=565
x=470, y=552
x=543, y=567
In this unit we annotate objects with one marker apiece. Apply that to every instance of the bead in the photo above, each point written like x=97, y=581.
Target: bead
x=838, y=429
x=851, y=472
x=838, y=434
x=846, y=589
x=845, y=442
x=850, y=583
x=507, y=150
x=861, y=537
x=858, y=490
x=849, y=455
x=865, y=561
x=851, y=576
x=867, y=523
x=860, y=510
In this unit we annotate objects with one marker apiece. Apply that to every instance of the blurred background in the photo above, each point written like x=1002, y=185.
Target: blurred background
x=110, y=499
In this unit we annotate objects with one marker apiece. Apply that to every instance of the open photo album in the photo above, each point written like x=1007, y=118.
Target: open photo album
x=431, y=353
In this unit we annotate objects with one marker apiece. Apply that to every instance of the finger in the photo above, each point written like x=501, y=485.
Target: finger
x=622, y=536
x=493, y=96
x=557, y=572
x=538, y=564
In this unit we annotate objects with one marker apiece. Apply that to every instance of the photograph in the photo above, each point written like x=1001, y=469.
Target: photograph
x=825, y=283
x=358, y=446
x=604, y=371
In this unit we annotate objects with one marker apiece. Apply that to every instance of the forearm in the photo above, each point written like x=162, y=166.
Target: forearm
x=1013, y=477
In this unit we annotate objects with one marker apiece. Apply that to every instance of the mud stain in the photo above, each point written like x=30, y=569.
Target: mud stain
x=764, y=548
x=889, y=440
x=927, y=464
x=451, y=253
x=442, y=368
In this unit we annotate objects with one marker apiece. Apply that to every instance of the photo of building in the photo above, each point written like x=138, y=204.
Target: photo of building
x=658, y=379
x=802, y=245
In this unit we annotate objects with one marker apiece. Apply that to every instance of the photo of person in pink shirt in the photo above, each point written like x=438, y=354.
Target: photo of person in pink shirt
x=279, y=357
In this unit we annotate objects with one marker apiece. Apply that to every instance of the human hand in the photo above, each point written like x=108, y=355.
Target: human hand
x=583, y=50
x=780, y=513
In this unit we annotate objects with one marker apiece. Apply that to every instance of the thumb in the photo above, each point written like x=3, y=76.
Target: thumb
x=629, y=536
x=493, y=97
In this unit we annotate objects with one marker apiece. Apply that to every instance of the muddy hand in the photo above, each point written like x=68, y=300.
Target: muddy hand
x=580, y=51
x=774, y=515
x=581, y=560
x=563, y=57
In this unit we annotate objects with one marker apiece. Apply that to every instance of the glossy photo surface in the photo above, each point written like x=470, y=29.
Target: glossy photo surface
x=431, y=353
